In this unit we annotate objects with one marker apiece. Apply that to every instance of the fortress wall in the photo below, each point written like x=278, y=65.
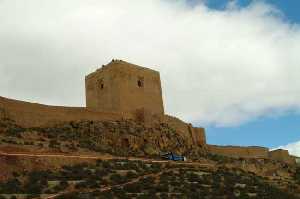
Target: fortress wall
x=180, y=126
x=198, y=135
x=32, y=115
x=282, y=155
x=194, y=136
x=236, y=151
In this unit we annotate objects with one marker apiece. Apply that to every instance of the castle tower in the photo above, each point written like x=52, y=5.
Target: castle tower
x=124, y=87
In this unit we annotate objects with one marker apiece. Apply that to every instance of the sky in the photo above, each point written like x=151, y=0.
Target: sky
x=231, y=67
x=272, y=132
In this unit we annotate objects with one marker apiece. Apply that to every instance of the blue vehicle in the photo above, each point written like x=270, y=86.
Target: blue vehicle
x=173, y=157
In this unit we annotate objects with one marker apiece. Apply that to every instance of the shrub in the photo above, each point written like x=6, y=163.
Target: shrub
x=131, y=174
x=37, y=182
x=81, y=185
x=54, y=144
x=61, y=186
x=116, y=178
x=11, y=187
x=120, y=193
x=133, y=188
x=15, y=131
x=297, y=175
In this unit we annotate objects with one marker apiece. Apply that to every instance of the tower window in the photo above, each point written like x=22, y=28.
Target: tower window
x=101, y=84
x=140, y=82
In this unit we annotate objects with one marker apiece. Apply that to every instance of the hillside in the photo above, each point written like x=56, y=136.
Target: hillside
x=124, y=137
x=121, y=178
x=120, y=159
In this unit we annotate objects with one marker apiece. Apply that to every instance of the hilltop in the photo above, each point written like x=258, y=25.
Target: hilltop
x=90, y=160
x=111, y=148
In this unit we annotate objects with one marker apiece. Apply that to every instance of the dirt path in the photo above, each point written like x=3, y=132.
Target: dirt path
x=105, y=157
x=98, y=157
x=136, y=180
x=108, y=188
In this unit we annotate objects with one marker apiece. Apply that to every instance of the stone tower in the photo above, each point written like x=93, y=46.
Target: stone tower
x=124, y=87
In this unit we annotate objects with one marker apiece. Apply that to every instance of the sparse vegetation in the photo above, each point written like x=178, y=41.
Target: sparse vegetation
x=115, y=137
x=121, y=178
x=175, y=181
x=297, y=175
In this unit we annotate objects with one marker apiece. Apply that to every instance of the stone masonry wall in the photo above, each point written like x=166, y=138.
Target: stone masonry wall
x=31, y=114
x=124, y=87
x=198, y=135
x=236, y=151
x=282, y=155
x=35, y=115
x=195, y=136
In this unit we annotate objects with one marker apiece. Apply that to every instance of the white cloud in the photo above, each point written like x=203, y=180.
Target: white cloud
x=293, y=148
x=217, y=67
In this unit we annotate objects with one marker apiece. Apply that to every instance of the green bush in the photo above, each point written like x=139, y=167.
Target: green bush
x=131, y=175
x=37, y=182
x=116, y=178
x=54, y=144
x=61, y=186
x=15, y=131
x=133, y=188
x=297, y=175
x=11, y=187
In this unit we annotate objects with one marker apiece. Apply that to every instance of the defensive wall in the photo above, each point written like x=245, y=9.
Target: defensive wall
x=252, y=152
x=33, y=115
x=195, y=135
x=237, y=151
x=121, y=90
x=28, y=114
x=282, y=155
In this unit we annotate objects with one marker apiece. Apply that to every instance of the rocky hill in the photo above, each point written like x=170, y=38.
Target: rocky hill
x=122, y=138
x=120, y=159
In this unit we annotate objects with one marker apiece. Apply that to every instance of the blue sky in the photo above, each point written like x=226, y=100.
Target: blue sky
x=266, y=131
x=290, y=8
